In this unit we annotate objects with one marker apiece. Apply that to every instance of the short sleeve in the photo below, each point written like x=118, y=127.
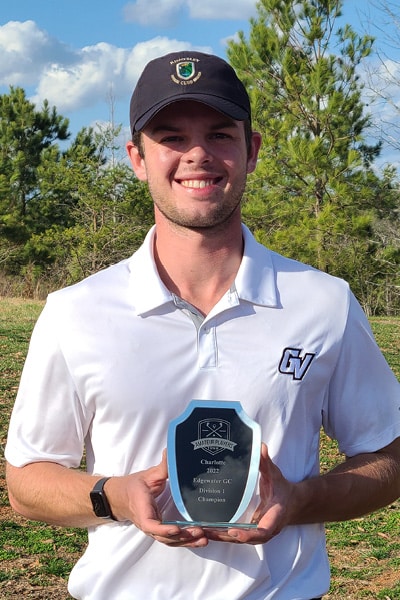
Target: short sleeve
x=362, y=410
x=48, y=422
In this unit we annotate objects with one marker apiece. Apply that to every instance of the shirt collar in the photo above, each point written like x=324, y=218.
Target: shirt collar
x=255, y=280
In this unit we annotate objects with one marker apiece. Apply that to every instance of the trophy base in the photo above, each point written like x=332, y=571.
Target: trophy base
x=208, y=525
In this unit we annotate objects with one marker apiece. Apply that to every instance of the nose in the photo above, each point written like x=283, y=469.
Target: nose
x=197, y=153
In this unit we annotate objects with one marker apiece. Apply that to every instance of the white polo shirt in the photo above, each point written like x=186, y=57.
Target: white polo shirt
x=113, y=359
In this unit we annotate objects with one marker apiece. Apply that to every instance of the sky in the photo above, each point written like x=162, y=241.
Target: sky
x=85, y=56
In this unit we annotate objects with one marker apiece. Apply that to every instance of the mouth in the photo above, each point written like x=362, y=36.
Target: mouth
x=199, y=183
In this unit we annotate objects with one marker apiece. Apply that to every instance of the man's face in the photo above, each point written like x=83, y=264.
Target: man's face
x=196, y=163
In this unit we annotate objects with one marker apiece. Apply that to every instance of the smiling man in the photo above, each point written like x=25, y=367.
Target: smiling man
x=196, y=163
x=200, y=311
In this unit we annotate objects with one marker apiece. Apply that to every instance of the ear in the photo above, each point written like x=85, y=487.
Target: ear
x=137, y=162
x=253, y=155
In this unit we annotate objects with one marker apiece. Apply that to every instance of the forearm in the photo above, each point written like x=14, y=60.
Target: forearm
x=359, y=486
x=356, y=487
x=52, y=493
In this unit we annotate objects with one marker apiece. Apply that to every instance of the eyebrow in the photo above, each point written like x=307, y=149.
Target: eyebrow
x=164, y=127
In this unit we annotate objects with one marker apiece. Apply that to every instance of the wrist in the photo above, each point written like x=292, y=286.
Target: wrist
x=100, y=501
x=300, y=502
x=116, y=494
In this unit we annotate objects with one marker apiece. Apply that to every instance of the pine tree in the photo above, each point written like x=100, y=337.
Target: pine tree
x=25, y=134
x=94, y=211
x=315, y=194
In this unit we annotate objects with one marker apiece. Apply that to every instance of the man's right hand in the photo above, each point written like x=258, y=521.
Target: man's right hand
x=134, y=498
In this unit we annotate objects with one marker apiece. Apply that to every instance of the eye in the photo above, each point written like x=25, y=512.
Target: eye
x=171, y=139
x=220, y=135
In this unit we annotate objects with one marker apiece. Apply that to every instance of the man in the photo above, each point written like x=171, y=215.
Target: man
x=200, y=311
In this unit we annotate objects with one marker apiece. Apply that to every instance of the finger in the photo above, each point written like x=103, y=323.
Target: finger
x=160, y=471
x=239, y=536
x=182, y=541
x=264, y=450
x=156, y=476
x=163, y=464
x=265, y=461
x=175, y=536
x=250, y=536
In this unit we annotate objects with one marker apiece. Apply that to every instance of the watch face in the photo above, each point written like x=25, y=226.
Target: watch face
x=100, y=505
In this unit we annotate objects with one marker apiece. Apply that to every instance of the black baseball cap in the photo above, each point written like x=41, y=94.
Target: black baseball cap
x=188, y=75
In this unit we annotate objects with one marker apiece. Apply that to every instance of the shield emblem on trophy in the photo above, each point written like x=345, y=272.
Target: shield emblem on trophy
x=213, y=461
x=214, y=436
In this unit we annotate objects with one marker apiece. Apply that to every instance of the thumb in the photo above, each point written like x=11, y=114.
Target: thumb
x=163, y=465
x=264, y=459
x=156, y=476
x=266, y=472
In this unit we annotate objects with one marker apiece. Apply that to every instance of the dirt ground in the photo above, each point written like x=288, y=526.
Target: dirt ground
x=21, y=587
x=56, y=587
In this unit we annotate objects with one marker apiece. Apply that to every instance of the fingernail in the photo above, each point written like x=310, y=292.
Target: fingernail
x=234, y=534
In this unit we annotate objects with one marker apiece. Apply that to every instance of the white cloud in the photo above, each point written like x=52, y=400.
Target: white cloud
x=25, y=51
x=140, y=55
x=100, y=68
x=71, y=85
x=72, y=79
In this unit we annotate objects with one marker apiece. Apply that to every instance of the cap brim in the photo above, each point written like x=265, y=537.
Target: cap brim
x=220, y=104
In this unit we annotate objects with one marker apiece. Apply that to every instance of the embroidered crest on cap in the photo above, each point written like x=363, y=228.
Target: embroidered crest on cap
x=186, y=73
x=185, y=70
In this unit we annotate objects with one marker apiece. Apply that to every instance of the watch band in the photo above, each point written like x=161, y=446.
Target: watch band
x=101, y=506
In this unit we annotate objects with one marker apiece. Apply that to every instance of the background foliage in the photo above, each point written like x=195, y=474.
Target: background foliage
x=71, y=207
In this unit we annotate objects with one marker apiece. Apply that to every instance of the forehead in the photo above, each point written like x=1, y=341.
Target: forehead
x=190, y=112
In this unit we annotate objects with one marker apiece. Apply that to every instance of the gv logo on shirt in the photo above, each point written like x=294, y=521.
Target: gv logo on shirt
x=292, y=363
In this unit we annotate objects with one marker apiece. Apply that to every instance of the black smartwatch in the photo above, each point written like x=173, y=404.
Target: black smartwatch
x=99, y=500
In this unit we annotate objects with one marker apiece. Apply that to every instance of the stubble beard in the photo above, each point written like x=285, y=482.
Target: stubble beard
x=214, y=220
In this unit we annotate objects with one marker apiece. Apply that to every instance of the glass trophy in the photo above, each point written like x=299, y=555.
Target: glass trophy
x=213, y=453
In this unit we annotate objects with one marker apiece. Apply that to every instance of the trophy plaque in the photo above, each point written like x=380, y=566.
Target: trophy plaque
x=213, y=452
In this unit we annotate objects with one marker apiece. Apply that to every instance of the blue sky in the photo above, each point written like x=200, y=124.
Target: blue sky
x=79, y=53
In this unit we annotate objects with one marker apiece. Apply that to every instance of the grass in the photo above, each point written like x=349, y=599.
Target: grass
x=35, y=559
x=365, y=552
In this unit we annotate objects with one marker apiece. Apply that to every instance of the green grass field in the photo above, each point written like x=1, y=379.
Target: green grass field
x=35, y=559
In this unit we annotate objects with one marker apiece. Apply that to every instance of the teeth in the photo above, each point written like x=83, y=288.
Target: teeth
x=197, y=183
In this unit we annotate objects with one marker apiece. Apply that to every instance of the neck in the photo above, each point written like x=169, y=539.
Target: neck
x=198, y=266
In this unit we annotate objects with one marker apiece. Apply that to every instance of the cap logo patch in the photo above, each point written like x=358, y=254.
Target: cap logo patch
x=185, y=73
x=185, y=70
